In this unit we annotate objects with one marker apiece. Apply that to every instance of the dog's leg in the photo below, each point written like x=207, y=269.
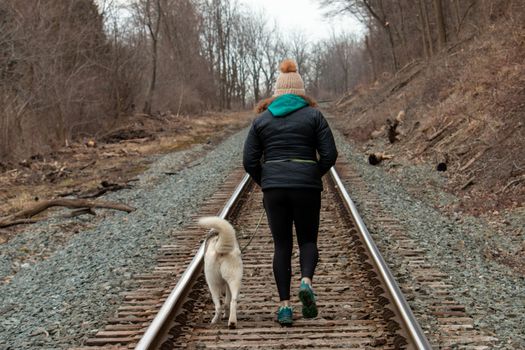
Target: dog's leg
x=227, y=299
x=234, y=287
x=216, y=297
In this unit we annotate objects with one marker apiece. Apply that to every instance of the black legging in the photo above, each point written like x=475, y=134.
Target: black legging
x=284, y=208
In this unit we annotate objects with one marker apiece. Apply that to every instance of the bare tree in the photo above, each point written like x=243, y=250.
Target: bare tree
x=153, y=19
x=254, y=33
x=89, y=70
x=426, y=35
x=440, y=23
x=366, y=10
x=299, y=50
x=52, y=77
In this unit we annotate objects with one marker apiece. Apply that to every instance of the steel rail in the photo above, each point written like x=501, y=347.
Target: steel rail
x=414, y=329
x=151, y=338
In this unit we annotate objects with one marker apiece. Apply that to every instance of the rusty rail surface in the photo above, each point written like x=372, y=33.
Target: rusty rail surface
x=414, y=329
x=155, y=332
x=392, y=326
x=360, y=304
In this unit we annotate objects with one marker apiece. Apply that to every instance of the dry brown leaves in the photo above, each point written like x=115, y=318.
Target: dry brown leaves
x=83, y=167
x=471, y=114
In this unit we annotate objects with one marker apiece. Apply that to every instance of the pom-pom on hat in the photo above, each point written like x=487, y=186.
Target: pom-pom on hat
x=289, y=81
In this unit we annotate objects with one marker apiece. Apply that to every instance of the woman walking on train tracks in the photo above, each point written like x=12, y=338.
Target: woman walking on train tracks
x=280, y=154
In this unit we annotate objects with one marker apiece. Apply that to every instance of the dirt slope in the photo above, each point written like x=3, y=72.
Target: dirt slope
x=465, y=108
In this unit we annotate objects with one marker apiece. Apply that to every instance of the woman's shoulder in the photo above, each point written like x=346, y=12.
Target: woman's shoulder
x=261, y=119
x=262, y=116
x=310, y=113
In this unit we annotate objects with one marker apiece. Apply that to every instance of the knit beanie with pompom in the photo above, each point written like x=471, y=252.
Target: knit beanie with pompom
x=289, y=81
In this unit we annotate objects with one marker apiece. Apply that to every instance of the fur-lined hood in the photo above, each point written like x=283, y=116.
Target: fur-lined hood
x=263, y=104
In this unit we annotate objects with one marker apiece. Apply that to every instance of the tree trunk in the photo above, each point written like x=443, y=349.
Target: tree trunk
x=457, y=16
x=372, y=58
x=392, y=47
x=154, y=33
x=385, y=24
x=440, y=22
x=151, y=89
x=426, y=24
x=402, y=31
x=422, y=30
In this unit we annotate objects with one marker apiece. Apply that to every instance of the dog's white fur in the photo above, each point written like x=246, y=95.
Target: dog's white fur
x=223, y=267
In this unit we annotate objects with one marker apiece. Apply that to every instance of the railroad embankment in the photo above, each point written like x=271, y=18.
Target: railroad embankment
x=462, y=112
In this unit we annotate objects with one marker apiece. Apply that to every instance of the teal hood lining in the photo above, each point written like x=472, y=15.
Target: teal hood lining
x=286, y=104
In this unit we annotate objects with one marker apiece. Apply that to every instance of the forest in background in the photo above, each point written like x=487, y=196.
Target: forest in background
x=80, y=67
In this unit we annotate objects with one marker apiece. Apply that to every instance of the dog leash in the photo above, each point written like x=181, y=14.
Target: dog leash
x=254, y=232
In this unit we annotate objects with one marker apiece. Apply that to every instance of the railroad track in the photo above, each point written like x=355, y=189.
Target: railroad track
x=360, y=304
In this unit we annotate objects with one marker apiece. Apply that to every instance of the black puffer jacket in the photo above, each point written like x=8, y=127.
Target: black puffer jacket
x=280, y=152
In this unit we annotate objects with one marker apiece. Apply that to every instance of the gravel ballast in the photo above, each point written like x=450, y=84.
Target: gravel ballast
x=62, y=285
x=494, y=294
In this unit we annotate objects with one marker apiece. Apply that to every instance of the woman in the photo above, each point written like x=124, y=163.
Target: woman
x=280, y=154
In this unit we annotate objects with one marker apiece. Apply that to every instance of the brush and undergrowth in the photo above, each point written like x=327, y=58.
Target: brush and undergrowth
x=460, y=119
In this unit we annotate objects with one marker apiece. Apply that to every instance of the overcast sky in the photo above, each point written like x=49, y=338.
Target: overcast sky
x=305, y=16
x=296, y=15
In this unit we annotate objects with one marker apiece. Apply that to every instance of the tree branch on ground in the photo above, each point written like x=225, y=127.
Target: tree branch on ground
x=24, y=216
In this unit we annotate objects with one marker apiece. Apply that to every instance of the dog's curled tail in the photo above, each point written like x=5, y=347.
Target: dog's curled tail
x=227, y=240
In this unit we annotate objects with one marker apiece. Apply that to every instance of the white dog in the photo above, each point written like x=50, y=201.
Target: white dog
x=222, y=267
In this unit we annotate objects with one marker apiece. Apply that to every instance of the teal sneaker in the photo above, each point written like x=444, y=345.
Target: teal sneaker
x=307, y=297
x=285, y=316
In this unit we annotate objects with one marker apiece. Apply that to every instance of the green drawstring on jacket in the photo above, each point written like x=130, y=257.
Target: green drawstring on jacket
x=296, y=160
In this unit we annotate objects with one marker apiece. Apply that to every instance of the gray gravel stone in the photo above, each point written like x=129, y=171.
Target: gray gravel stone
x=62, y=284
x=493, y=293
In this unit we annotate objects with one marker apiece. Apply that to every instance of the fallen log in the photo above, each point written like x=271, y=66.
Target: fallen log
x=442, y=161
x=88, y=165
x=106, y=187
x=79, y=212
x=442, y=166
x=404, y=82
x=473, y=159
x=24, y=216
x=400, y=117
x=513, y=182
x=376, y=158
x=392, y=130
x=440, y=131
x=377, y=133
x=469, y=182
x=17, y=222
x=391, y=126
x=433, y=139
